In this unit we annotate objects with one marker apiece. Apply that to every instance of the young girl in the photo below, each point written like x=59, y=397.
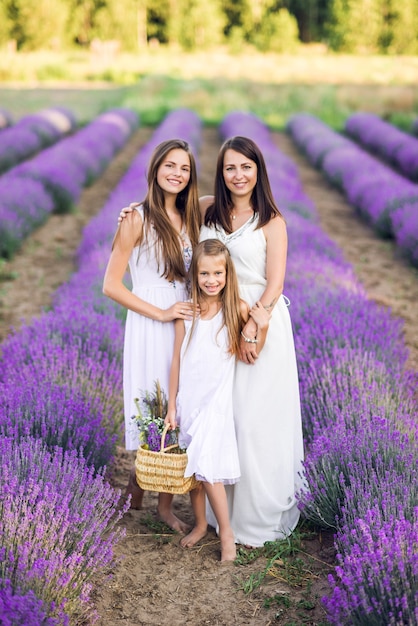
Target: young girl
x=156, y=242
x=201, y=383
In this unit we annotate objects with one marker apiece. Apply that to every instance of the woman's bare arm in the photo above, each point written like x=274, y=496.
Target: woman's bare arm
x=127, y=237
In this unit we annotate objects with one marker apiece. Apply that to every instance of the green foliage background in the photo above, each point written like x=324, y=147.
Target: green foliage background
x=375, y=26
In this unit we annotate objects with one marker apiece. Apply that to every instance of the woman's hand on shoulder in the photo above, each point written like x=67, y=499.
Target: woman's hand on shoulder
x=129, y=233
x=126, y=210
x=179, y=310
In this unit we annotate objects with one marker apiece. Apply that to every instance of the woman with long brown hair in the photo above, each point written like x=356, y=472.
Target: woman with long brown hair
x=244, y=216
x=155, y=241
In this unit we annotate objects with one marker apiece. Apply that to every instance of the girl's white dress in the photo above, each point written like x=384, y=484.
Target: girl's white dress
x=148, y=346
x=266, y=408
x=204, y=402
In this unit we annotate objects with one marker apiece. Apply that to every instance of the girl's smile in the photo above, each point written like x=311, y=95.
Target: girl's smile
x=211, y=276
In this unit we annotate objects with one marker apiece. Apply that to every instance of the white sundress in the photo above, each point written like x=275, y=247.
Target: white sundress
x=204, y=403
x=148, y=344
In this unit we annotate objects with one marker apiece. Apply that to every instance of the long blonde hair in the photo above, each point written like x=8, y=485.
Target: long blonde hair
x=230, y=299
x=155, y=215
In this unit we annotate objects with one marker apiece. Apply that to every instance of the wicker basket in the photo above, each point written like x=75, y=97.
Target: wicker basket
x=164, y=470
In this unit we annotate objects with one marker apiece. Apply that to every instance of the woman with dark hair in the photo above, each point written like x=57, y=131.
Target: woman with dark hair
x=244, y=216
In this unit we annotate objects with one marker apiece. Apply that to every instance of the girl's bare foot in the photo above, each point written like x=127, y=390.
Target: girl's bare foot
x=197, y=533
x=134, y=490
x=228, y=548
x=173, y=521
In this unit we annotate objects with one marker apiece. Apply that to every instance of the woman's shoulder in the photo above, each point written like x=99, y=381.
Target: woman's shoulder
x=204, y=204
x=275, y=226
x=131, y=227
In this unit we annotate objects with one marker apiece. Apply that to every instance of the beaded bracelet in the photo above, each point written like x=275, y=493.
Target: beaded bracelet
x=247, y=339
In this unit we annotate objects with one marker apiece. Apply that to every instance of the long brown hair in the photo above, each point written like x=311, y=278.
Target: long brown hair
x=230, y=299
x=155, y=215
x=262, y=201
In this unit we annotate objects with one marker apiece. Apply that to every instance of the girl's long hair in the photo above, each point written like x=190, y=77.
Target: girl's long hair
x=187, y=202
x=230, y=299
x=262, y=201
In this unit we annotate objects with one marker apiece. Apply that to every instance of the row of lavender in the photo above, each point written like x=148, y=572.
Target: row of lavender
x=32, y=133
x=396, y=147
x=387, y=200
x=60, y=415
x=52, y=181
x=359, y=415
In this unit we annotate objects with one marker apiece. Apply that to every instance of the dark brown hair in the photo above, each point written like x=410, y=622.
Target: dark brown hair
x=262, y=201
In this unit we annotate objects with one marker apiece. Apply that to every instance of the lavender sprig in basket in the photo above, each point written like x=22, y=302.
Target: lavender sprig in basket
x=160, y=462
x=152, y=409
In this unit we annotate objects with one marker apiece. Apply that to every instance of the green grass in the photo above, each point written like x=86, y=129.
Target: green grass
x=213, y=83
x=284, y=579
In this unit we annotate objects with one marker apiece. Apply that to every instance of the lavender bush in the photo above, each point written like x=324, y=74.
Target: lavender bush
x=32, y=133
x=384, y=139
x=373, y=188
x=54, y=556
x=54, y=179
x=379, y=571
x=24, y=205
x=76, y=161
x=24, y=609
x=56, y=414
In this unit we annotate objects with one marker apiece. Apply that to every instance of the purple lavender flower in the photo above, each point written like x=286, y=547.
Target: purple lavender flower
x=396, y=147
x=54, y=556
x=53, y=180
x=24, y=609
x=374, y=188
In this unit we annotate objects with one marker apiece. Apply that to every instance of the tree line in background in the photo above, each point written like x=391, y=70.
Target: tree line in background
x=365, y=26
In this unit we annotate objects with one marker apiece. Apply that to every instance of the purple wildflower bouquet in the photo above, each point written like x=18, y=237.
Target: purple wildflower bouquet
x=152, y=409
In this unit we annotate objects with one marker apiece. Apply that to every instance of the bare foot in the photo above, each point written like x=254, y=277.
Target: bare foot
x=193, y=537
x=134, y=490
x=228, y=548
x=173, y=521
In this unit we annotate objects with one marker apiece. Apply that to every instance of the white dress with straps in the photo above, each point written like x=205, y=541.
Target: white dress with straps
x=148, y=347
x=204, y=402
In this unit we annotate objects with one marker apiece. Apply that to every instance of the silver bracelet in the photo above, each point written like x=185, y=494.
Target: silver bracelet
x=247, y=339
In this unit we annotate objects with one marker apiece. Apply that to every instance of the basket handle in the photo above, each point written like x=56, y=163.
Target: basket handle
x=174, y=445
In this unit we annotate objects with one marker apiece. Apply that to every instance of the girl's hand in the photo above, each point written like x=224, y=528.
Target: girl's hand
x=260, y=315
x=171, y=419
x=248, y=351
x=179, y=310
x=126, y=210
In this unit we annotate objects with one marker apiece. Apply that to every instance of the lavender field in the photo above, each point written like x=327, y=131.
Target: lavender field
x=62, y=518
